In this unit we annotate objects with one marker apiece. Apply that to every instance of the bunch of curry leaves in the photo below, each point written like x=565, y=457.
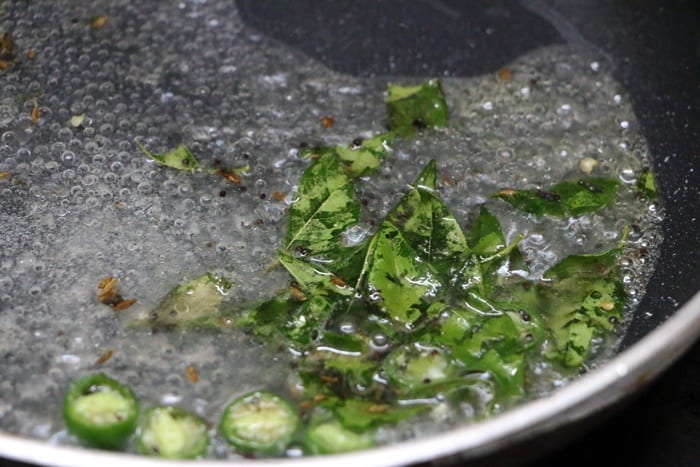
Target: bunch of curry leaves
x=435, y=313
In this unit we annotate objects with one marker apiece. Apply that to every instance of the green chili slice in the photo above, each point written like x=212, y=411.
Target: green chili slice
x=259, y=422
x=171, y=432
x=100, y=411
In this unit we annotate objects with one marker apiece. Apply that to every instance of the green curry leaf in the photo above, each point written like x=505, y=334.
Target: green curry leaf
x=358, y=159
x=360, y=414
x=584, y=300
x=646, y=184
x=314, y=278
x=420, y=312
x=178, y=158
x=323, y=210
x=428, y=225
x=485, y=236
x=571, y=198
x=396, y=280
x=412, y=108
x=191, y=301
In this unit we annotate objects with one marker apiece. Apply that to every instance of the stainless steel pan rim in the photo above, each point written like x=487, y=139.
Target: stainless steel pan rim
x=622, y=376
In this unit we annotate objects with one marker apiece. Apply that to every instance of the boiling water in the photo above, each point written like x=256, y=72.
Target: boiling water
x=79, y=201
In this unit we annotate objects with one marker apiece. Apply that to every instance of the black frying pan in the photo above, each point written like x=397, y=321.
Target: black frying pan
x=653, y=49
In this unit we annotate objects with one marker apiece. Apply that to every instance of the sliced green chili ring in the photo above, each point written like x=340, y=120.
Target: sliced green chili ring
x=411, y=366
x=259, y=422
x=331, y=437
x=172, y=433
x=100, y=411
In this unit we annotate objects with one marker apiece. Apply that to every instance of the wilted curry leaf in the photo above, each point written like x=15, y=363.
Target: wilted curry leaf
x=485, y=235
x=428, y=225
x=192, y=300
x=395, y=279
x=646, y=184
x=324, y=208
x=412, y=108
x=358, y=159
x=179, y=158
x=361, y=414
x=585, y=299
x=495, y=261
x=413, y=366
x=362, y=159
x=284, y=320
x=314, y=278
x=572, y=198
x=491, y=337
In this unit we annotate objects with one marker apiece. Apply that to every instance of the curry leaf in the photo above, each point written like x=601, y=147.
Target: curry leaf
x=646, y=184
x=338, y=364
x=584, y=300
x=360, y=158
x=427, y=223
x=412, y=108
x=360, y=414
x=458, y=313
x=323, y=210
x=396, y=280
x=412, y=366
x=485, y=236
x=284, y=320
x=178, y=158
x=572, y=198
x=497, y=261
x=492, y=338
x=314, y=278
x=193, y=300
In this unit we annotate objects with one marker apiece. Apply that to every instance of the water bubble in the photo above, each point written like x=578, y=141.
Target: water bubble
x=379, y=343
x=205, y=200
x=505, y=153
x=564, y=109
x=89, y=180
x=69, y=359
x=145, y=188
x=627, y=175
x=171, y=398
x=9, y=138
x=188, y=204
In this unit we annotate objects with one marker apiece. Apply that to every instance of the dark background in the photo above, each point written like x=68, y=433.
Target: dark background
x=654, y=49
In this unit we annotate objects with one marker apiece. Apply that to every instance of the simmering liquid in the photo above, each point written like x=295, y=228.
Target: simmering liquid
x=80, y=202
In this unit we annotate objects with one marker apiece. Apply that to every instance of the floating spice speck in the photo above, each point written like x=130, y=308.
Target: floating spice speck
x=98, y=22
x=105, y=356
